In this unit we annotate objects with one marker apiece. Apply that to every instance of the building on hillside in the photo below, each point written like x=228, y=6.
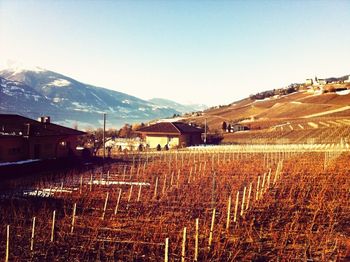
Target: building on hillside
x=236, y=127
x=309, y=82
x=347, y=80
x=23, y=138
x=119, y=144
x=322, y=81
x=171, y=134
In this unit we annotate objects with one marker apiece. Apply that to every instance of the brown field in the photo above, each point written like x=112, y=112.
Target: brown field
x=251, y=203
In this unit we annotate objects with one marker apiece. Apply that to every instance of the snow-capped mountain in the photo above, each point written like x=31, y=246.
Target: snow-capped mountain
x=179, y=107
x=34, y=92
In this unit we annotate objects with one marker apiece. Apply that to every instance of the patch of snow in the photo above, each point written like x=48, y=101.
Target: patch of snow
x=47, y=192
x=105, y=182
x=36, y=98
x=175, y=119
x=59, y=83
x=126, y=101
x=20, y=162
x=142, y=109
x=97, y=97
x=57, y=99
x=343, y=92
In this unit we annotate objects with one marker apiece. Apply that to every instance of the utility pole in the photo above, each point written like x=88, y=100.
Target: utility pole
x=104, y=135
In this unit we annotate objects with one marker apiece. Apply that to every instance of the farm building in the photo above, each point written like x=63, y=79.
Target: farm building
x=124, y=143
x=172, y=134
x=23, y=138
x=236, y=127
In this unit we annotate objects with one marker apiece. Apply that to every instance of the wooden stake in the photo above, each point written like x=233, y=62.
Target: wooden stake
x=236, y=207
x=243, y=201
x=130, y=192
x=32, y=236
x=7, y=243
x=53, y=225
x=211, y=229
x=105, y=206
x=268, y=179
x=90, y=182
x=196, y=241
x=183, y=251
x=117, y=205
x=172, y=179
x=139, y=194
x=166, y=258
x=189, y=176
x=257, y=189
x=81, y=184
x=73, y=218
x=262, y=190
x=249, y=193
x=228, y=213
x=155, y=188
x=164, y=184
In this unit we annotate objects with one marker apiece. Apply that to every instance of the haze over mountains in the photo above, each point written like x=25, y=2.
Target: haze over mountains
x=34, y=91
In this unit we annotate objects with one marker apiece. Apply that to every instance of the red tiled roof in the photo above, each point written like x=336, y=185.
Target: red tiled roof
x=170, y=128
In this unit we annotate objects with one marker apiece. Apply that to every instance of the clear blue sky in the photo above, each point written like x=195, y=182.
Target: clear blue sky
x=212, y=52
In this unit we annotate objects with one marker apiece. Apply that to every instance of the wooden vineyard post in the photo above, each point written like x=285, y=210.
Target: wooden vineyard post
x=269, y=179
x=236, y=207
x=257, y=189
x=53, y=225
x=183, y=250
x=130, y=193
x=155, y=188
x=73, y=218
x=90, y=182
x=172, y=179
x=164, y=184
x=7, y=243
x=61, y=188
x=189, y=177
x=139, y=194
x=263, y=185
x=118, y=200
x=196, y=241
x=32, y=236
x=243, y=201
x=81, y=184
x=105, y=206
x=249, y=193
x=228, y=213
x=166, y=258
x=211, y=229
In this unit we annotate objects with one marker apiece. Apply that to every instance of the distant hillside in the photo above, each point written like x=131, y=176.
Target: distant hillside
x=179, y=107
x=35, y=92
x=278, y=106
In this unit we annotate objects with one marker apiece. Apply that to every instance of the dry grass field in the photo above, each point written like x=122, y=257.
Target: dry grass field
x=225, y=203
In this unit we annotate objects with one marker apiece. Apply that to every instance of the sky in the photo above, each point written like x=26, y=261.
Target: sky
x=207, y=52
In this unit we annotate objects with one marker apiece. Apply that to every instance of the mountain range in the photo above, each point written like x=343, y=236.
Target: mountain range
x=35, y=92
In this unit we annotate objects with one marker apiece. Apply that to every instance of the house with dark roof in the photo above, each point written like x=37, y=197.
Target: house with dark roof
x=171, y=134
x=23, y=138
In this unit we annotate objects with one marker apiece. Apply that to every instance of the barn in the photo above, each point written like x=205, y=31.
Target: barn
x=171, y=134
x=23, y=138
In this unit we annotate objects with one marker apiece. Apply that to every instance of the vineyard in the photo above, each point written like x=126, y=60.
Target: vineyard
x=233, y=203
